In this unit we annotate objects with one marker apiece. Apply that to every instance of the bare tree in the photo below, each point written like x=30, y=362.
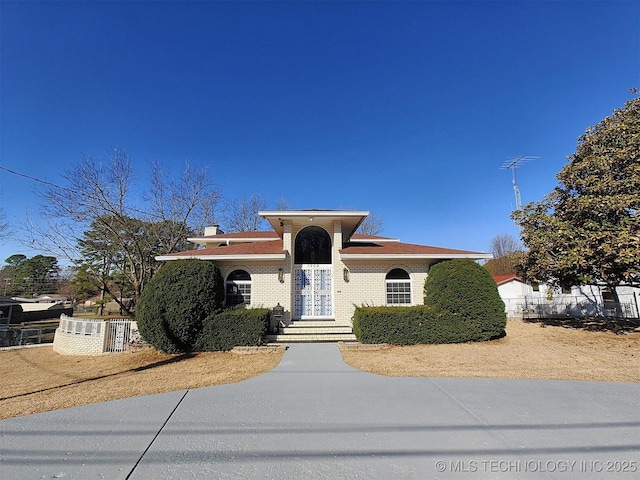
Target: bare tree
x=503, y=244
x=103, y=218
x=4, y=226
x=506, y=250
x=242, y=215
x=372, y=225
x=282, y=204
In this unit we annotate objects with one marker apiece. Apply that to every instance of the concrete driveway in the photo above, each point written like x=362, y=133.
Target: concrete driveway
x=314, y=417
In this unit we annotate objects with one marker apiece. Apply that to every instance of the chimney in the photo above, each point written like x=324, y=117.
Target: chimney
x=212, y=230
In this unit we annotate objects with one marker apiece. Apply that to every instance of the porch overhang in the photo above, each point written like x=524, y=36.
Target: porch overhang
x=350, y=219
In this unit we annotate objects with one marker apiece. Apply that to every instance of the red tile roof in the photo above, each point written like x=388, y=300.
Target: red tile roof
x=258, y=249
x=376, y=247
x=500, y=279
x=399, y=248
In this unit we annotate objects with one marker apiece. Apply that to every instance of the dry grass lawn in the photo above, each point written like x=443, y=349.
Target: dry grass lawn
x=38, y=379
x=529, y=351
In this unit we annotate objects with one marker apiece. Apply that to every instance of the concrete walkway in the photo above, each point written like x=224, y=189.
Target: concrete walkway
x=314, y=417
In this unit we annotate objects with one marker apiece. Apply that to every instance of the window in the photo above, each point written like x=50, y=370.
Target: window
x=398, y=286
x=238, y=288
x=312, y=246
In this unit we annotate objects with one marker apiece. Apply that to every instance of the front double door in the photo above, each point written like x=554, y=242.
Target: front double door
x=313, y=287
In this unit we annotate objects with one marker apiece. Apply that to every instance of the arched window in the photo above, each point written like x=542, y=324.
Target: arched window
x=238, y=288
x=313, y=245
x=398, y=286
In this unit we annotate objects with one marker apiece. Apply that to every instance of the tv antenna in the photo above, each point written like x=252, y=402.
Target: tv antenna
x=513, y=164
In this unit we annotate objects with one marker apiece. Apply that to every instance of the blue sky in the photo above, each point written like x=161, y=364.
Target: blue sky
x=406, y=109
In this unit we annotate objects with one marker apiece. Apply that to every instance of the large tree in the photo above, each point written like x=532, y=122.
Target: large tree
x=586, y=230
x=30, y=277
x=106, y=223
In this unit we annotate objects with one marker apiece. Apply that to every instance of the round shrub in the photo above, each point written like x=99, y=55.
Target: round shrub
x=174, y=304
x=467, y=300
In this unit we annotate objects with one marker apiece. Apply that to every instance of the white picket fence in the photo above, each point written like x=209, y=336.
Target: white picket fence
x=571, y=306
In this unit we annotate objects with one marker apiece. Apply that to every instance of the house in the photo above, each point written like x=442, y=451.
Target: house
x=524, y=300
x=316, y=267
x=10, y=312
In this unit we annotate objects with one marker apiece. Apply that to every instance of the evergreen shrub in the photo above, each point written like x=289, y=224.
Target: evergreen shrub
x=467, y=298
x=237, y=327
x=175, y=303
x=395, y=325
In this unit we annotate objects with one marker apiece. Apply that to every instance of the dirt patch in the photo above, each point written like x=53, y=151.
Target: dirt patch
x=529, y=350
x=38, y=379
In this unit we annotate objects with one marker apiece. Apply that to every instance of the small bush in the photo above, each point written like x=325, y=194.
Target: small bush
x=174, y=304
x=231, y=328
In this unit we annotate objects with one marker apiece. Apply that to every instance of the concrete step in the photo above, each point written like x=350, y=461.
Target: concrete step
x=339, y=337
x=314, y=331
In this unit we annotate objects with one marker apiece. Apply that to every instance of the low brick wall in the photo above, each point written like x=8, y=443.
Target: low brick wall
x=72, y=344
x=84, y=336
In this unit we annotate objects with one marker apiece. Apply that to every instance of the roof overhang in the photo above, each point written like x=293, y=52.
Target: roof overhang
x=195, y=256
x=351, y=219
x=231, y=239
x=414, y=256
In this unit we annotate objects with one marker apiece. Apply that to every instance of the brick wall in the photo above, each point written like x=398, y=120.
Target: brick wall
x=72, y=344
x=82, y=336
x=366, y=285
x=266, y=289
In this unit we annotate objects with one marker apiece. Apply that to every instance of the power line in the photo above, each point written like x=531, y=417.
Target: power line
x=45, y=182
x=29, y=177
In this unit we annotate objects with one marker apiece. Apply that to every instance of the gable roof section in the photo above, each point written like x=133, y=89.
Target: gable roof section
x=265, y=250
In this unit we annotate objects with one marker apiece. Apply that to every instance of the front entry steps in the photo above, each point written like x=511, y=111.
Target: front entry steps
x=313, y=331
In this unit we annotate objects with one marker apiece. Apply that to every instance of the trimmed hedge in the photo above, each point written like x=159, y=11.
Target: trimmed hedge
x=174, y=304
x=231, y=328
x=395, y=325
x=462, y=304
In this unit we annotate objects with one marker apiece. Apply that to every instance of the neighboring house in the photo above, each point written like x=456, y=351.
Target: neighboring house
x=316, y=267
x=10, y=312
x=522, y=299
